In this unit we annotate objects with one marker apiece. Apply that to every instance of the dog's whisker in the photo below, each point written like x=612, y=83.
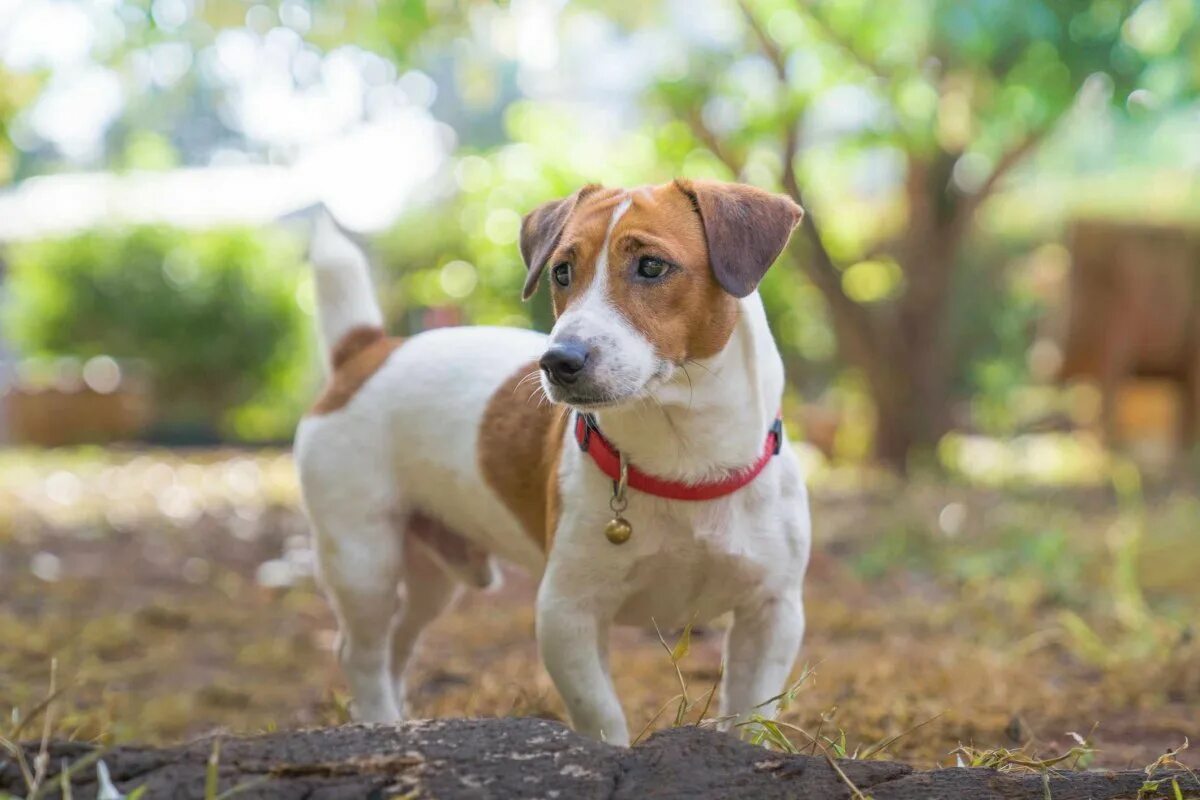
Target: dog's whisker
x=679, y=438
x=691, y=386
x=534, y=375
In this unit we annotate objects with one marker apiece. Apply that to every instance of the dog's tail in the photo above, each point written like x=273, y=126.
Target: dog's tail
x=345, y=297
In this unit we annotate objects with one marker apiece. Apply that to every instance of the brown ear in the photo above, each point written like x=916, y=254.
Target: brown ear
x=540, y=231
x=745, y=228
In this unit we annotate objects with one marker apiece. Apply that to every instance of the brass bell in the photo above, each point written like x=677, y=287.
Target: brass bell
x=618, y=530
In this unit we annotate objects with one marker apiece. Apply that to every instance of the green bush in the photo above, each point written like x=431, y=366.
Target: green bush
x=212, y=315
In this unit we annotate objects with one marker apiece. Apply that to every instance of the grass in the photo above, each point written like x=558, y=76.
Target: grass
x=174, y=592
x=36, y=776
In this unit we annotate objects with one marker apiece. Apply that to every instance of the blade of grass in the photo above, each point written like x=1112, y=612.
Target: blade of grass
x=776, y=724
x=212, y=774
x=683, y=644
x=41, y=762
x=885, y=744
x=70, y=771
x=825, y=717
x=711, y=692
x=654, y=719
x=790, y=692
x=774, y=735
x=241, y=787
x=18, y=754
x=845, y=778
x=64, y=782
x=15, y=735
x=684, y=702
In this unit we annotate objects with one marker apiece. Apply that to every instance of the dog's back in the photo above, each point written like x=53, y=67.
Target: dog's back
x=406, y=415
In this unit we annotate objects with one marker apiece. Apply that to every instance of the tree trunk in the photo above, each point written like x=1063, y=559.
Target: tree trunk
x=901, y=346
x=913, y=415
x=907, y=363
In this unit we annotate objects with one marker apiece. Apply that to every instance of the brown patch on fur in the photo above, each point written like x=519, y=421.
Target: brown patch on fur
x=356, y=357
x=746, y=229
x=540, y=233
x=354, y=342
x=520, y=444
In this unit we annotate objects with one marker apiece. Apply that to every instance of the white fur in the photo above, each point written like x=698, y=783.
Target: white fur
x=408, y=439
x=345, y=298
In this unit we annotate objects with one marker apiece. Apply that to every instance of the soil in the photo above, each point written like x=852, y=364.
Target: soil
x=167, y=626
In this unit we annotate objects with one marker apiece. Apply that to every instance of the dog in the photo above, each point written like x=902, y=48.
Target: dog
x=633, y=458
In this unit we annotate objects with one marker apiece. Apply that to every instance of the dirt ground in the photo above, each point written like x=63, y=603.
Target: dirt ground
x=174, y=594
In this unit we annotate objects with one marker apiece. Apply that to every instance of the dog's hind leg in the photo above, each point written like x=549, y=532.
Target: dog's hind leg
x=352, y=502
x=438, y=562
x=428, y=590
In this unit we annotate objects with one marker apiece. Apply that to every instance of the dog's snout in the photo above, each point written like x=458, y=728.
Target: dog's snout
x=565, y=360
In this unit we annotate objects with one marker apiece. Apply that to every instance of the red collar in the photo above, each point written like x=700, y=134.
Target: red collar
x=608, y=459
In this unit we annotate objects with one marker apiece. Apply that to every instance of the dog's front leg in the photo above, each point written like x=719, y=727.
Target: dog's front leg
x=570, y=636
x=759, y=653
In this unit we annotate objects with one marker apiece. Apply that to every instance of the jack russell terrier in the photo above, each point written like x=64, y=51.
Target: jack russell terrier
x=633, y=459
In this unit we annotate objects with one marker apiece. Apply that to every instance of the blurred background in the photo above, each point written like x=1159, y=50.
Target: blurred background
x=990, y=318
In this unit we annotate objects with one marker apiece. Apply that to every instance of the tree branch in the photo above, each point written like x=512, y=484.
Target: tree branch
x=963, y=215
x=733, y=162
x=853, y=322
x=1010, y=159
x=809, y=8
x=824, y=273
x=765, y=43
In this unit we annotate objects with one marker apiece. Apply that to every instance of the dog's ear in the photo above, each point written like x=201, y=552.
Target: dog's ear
x=745, y=228
x=540, y=231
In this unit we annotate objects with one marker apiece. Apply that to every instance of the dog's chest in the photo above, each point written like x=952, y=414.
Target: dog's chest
x=700, y=565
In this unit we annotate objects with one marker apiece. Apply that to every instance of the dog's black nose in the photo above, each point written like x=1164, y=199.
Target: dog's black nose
x=564, y=361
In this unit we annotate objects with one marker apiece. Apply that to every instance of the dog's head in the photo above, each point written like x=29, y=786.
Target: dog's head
x=644, y=280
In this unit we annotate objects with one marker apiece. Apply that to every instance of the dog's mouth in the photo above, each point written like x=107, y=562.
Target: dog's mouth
x=590, y=397
x=588, y=403
x=585, y=400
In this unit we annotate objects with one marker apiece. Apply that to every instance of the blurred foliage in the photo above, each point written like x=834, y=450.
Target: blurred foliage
x=993, y=319
x=213, y=315
x=895, y=123
x=16, y=92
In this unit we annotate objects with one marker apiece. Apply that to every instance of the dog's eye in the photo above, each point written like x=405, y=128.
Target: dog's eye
x=651, y=267
x=562, y=274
